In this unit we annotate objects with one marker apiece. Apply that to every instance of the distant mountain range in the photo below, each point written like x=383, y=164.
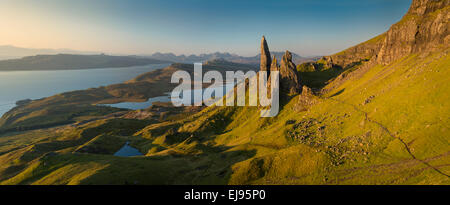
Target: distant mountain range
x=69, y=61
x=16, y=58
x=225, y=56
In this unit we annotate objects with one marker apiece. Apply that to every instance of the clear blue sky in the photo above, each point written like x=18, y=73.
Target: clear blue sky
x=306, y=27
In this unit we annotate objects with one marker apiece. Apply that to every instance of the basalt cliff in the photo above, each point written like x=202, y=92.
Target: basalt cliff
x=424, y=29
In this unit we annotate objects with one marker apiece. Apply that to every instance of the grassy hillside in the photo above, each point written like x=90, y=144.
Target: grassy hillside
x=377, y=113
x=388, y=125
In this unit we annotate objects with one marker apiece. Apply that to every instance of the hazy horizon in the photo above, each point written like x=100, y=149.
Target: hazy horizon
x=54, y=51
x=306, y=27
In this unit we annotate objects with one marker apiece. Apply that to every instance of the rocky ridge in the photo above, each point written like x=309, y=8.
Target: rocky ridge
x=424, y=29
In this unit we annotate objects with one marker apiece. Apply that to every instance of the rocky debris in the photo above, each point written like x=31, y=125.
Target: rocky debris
x=289, y=79
x=321, y=128
x=290, y=122
x=368, y=100
x=266, y=59
x=308, y=132
x=349, y=149
x=306, y=91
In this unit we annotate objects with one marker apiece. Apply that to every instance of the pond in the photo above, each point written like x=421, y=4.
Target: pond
x=167, y=98
x=128, y=151
x=138, y=105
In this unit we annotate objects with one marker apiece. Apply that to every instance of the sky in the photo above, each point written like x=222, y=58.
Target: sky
x=142, y=27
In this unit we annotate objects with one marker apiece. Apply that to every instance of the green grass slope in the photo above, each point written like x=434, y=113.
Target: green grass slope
x=387, y=125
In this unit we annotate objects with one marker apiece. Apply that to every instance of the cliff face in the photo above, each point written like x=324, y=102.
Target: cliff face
x=423, y=29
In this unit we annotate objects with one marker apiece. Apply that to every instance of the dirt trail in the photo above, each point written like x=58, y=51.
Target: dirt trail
x=389, y=133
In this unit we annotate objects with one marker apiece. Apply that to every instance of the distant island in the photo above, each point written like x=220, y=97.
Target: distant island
x=71, y=62
x=8, y=52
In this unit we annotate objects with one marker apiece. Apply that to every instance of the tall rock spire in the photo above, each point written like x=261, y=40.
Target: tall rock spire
x=266, y=60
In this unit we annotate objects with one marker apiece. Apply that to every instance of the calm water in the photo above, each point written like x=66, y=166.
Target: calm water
x=19, y=85
x=139, y=105
x=127, y=151
x=142, y=105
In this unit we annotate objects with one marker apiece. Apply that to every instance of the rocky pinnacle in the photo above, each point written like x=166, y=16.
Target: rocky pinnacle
x=289, y=77
x=266, y=60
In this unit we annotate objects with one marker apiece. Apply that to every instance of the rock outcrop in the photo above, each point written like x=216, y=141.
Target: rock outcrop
x=274, y=66
x=305, y=100
x=266, y=59
x=425, y=28
x=289, y=78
